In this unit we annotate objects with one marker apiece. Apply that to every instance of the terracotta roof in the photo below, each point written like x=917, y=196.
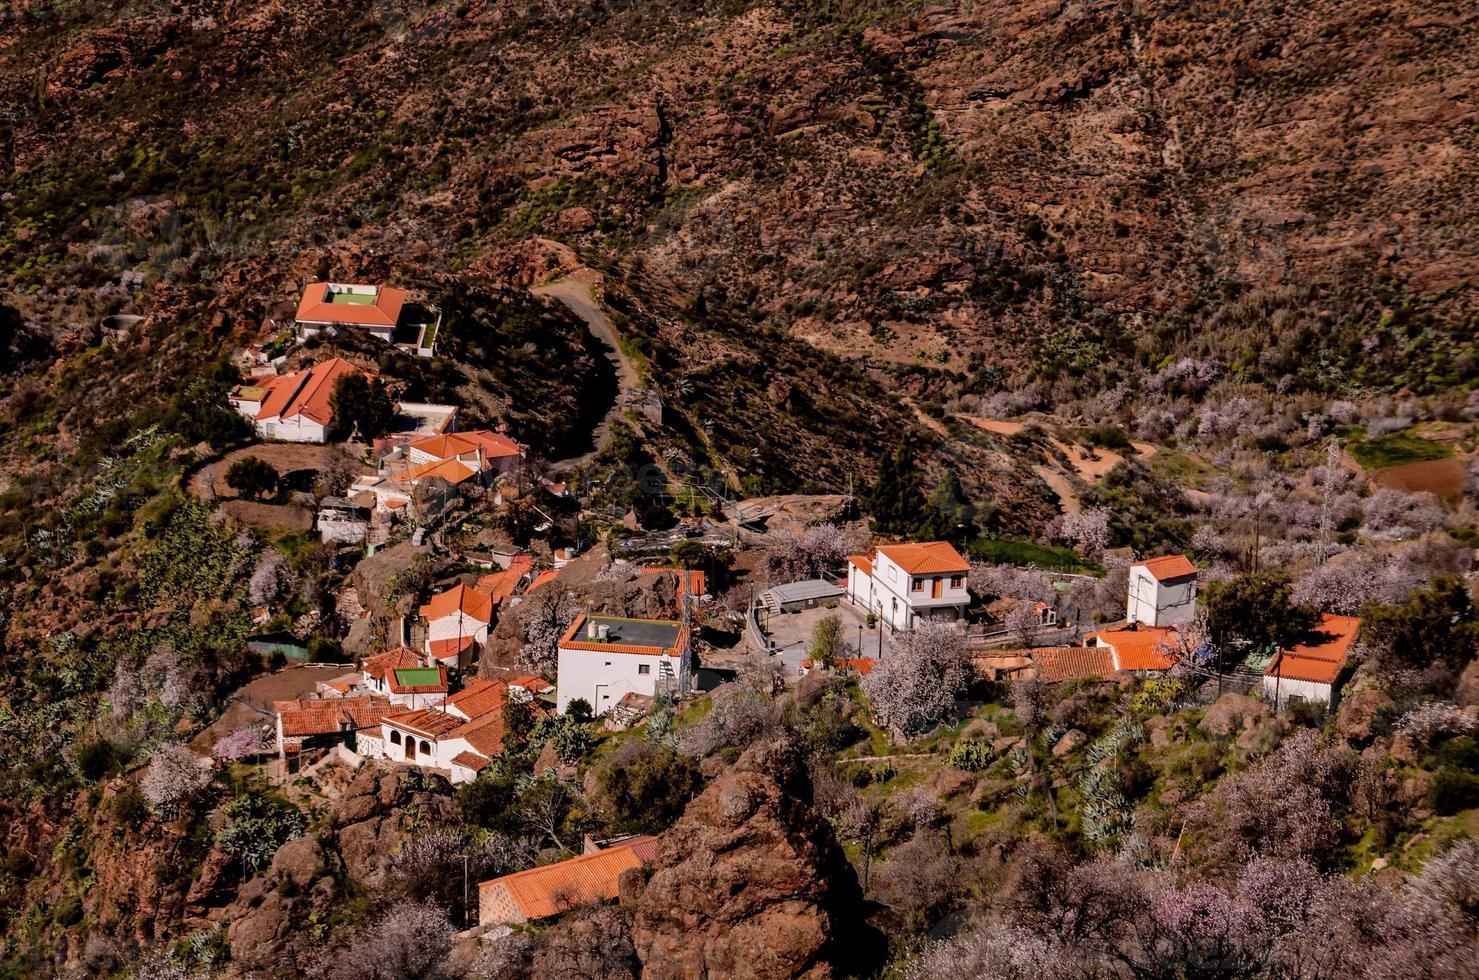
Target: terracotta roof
x=542, y=579
x=501, y=585
x=1322, y=659
x=493, y=445
x=454, y=471
x=479, y=698
x=381, y=664
x=306, y=393
x=554, y=888
x=864, y=563
x=1167, y=567
x=470, y=760
x=451, y=647
x=384, y=311
x=1055, y=664
x=473, y=605
x=859, y=665
x=431, y=722
x=484, y=734
x=324, y=716
x=530, y=683
x=926, y=557
x=1141, y=648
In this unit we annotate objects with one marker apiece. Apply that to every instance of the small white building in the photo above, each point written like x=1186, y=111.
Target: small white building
x=329, y=305
x=293, y=407
x=603, y=658
x=906, y=584
x=403, y=676
x=457, y=621
x=1162, y=591
x=1311, y=671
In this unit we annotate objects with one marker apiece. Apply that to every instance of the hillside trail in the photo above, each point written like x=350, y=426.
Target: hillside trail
x=578, y=292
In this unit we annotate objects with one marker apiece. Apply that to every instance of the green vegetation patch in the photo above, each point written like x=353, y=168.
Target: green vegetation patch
x=1006, y=551
x=418, y=677
x=1396, y=449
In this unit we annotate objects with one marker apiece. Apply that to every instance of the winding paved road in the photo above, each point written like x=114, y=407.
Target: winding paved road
x=577, y=291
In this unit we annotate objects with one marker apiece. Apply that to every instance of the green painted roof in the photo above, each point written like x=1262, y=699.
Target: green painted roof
x=418, y=677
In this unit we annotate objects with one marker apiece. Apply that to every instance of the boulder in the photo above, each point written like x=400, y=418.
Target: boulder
x=1072, y=739
x=1233, y=713
x=1356, y=720
x=750, y=881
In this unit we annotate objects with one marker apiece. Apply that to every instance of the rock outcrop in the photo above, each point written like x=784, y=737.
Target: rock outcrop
x=379, y=810
x=750, y=882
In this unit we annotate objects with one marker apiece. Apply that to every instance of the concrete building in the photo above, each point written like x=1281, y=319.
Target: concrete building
x=796, y=596
x=1162, y=591
x=602, y=658
x=457, y=621
x=340, y=521
x=907, y=584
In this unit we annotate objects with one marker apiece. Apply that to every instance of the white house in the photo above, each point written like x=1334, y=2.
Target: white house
x=402, y=676
x=906, y=584
x=341, y=521
x=605, y=657
x=1162, y=591
x=293, y=407
x=459, y=736
x=457, y=620
x=374, y=309
x=1311, y=670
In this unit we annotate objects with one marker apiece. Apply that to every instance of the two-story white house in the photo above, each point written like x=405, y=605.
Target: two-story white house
x=459, y=736
x=457, y=620
x=907, y=584
x=605, y=657
x=402, y=676
x=1162, y=591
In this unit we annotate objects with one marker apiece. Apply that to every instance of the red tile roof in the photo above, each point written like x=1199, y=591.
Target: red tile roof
x=554, y=888
x=454, y=471
x=1054, y=664
x=531, y=683
x=303, y=717
x=1142, y=647
x=431, y=722
x=385, y=311
x=503, y=584
x=493, y=445
x=484, y=734
x=450, y=647
x=381, y=664
x=306, y=393
x=473, y=604
x=863, y=562
x=1322, y=659
x=479, y=698
x=926, y=557
x=470, y=760
x=1167, y=567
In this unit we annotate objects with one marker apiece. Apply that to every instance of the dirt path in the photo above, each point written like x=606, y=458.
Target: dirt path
x=577, y=291
x=1060, y=485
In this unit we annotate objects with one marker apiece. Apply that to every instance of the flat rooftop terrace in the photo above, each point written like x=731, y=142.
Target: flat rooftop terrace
x=632, y=632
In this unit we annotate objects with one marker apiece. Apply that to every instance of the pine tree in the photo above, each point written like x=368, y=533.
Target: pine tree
x=895, y=498
x=948, y=515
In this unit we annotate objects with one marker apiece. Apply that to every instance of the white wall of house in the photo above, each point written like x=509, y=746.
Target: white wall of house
x=337, y=531
x=454, y=626
x=601, y=677
x=1286, y=688
x=903, y=600
x=296, y=428
x=1156, y=603
x=430, y=753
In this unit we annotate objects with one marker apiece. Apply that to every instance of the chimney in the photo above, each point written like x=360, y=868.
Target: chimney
x=604, y=632
x=591, y=630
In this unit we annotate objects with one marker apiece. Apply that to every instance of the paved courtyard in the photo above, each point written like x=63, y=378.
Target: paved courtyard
x=791, y=633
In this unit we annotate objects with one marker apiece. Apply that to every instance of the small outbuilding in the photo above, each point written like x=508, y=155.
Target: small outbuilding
x=796, y=596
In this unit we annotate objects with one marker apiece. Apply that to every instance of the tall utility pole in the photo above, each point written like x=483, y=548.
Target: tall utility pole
x=1332, y=458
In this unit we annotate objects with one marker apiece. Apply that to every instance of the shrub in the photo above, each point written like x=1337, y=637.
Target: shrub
x=972, y=755
x=252, y=477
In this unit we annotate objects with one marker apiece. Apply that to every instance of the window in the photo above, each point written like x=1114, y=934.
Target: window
x=644, y=668
x=425, y=749
x=395, y=737
x=918, y=585
x=956, y=581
